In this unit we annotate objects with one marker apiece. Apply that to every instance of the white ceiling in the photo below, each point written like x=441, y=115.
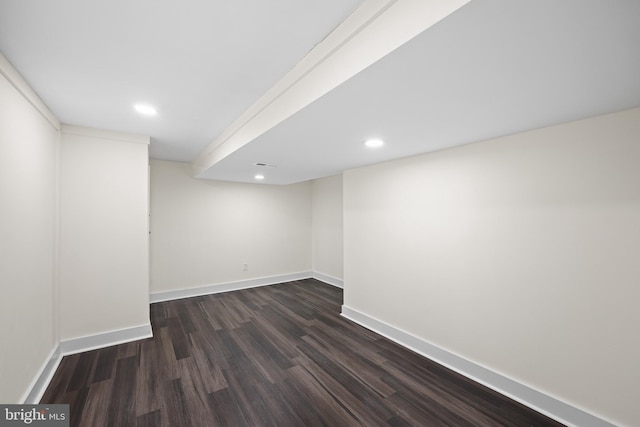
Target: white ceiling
x=200, y=62
x=492, y=68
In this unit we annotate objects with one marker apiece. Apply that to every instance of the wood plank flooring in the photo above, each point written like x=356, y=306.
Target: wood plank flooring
x=277, y=355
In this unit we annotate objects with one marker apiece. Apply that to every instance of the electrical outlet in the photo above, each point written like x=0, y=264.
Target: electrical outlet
x=245, y=266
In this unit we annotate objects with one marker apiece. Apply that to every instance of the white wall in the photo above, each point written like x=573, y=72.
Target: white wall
x=327, y=226
x=521, y=254
x=28, y=149
x=104, y=247
x=202, y=231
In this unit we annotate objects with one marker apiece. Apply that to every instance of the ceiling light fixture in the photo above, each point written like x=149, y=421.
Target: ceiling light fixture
x=374, y=143
x=258, y=177
x=145, y=109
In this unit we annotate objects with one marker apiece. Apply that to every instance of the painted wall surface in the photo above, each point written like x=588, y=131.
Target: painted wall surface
x=327, y=226
x=28, y=150
x=521, y=254
x=104, y=248
x=203, y=232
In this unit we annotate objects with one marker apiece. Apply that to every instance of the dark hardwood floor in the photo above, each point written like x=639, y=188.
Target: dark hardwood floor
x=277, y=355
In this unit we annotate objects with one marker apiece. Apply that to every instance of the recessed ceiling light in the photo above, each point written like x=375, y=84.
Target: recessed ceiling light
x=145, y=109
x=374, y=143
x=258, y=177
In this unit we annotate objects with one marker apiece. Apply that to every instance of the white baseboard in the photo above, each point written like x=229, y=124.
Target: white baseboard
x=330, y=280
x=226, y=287
x=105, y=339
x=541, y=402
x=43, y=378
x=78, y=345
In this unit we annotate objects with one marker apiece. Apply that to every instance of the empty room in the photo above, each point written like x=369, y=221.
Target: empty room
x=320, y=213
